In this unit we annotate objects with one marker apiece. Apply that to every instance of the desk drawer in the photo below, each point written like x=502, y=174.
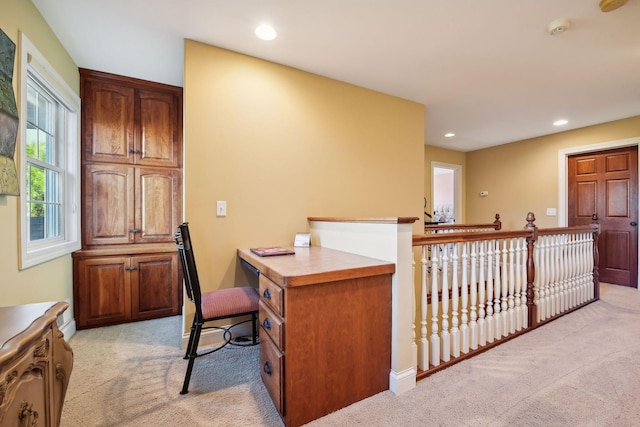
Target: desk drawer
x=271, y=371
x=272, y=324
x=272, y=295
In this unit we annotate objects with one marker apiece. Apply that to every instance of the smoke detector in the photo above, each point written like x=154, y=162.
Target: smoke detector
x=609, y=5
x=558, y=26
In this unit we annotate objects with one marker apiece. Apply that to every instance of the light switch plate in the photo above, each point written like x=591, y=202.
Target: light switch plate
x=551, y=211
x=221, y=208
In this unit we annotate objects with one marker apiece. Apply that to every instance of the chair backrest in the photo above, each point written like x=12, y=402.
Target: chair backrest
x=188, y=262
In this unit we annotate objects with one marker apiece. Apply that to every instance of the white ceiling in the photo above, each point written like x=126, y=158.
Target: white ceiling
x=485, y=69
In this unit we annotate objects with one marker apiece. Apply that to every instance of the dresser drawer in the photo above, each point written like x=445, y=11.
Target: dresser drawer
x=272, y=295
x=271, y=371
x=272, y=324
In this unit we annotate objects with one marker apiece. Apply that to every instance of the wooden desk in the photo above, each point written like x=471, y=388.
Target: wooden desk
x=35, y=365
x=327, y=316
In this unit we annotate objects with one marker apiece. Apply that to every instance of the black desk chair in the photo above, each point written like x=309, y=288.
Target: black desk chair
x=214, y=305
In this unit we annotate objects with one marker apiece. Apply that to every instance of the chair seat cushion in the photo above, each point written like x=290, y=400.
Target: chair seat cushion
x=229, y=302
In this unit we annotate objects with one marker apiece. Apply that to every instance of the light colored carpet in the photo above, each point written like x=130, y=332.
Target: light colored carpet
x=580, y=370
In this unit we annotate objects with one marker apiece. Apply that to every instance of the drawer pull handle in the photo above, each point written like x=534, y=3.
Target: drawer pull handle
x=266, y=324
x=267, y=368
x=267, y=294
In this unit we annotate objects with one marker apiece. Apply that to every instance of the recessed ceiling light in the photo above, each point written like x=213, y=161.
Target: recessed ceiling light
x=266, y=32
x=449, y=135
x=560, y=122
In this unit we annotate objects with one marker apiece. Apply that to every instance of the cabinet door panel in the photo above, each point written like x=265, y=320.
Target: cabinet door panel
x=109, y=204
x=158, y=204
x=104, y=296
x=158, y=135
x=108, y=122
x=154, y=287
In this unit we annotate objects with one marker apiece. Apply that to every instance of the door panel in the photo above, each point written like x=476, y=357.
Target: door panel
x=606, y=183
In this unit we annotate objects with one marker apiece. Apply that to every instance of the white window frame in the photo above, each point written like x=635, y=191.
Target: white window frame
x=33, y=63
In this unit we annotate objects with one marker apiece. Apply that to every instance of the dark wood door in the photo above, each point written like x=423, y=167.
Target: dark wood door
x=606, y=183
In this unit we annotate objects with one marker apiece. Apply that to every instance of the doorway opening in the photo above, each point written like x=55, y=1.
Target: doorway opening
x=446, y=193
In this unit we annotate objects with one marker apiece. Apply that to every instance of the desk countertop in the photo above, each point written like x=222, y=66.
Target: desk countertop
x=315, y=265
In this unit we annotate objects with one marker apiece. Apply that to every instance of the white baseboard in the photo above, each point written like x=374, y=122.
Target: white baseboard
x=400, y=382
x=68, y=329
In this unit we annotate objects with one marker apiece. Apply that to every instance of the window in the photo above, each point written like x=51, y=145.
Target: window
x=49, y=161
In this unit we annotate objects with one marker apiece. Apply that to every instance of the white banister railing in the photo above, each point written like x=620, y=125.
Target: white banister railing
x=476, y=289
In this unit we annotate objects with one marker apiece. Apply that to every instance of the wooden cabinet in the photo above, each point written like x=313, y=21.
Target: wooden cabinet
x=318, y=309
x=130, y=204
x=35, y=365
x=131, y=200
x=121, y=288
x=124, y=123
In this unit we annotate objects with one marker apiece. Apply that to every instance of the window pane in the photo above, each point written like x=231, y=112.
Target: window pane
x=32, y=141
x=52, y=187
x=52, y=216
x=36, y=182
x=32, y=97
x=45, y=114
x=36, y=221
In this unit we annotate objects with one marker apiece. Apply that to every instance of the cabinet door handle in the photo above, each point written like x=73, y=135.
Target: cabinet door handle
x=132, y=268
x=266, y=324
x=266, y=294
x=134, y=230
x=267, y=368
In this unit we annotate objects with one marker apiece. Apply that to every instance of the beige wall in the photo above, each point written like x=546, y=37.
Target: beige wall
x=280, y=145
x=52, y=280
x=523, y=176
x=442, y=155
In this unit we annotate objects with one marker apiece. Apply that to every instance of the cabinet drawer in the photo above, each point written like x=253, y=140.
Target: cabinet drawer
x=272, y=371
x=272, y=324
x=272, y=295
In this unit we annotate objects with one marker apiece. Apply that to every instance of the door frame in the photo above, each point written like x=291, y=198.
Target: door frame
x=563, y=179
x=457, y=187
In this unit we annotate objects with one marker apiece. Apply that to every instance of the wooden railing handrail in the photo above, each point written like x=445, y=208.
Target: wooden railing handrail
x=495, y=225
x=530, y=231
x=434, y=239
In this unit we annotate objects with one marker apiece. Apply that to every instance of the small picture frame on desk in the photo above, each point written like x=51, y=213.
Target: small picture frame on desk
x=302, y=240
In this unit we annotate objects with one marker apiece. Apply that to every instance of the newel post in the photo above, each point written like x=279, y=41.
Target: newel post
x=531, y=270
x=497, y=222
x=596, y=257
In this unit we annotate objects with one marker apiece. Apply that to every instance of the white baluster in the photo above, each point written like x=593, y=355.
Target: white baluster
x=497, y=287
x=553, y=283
x=505, y=290
x=590, y=263
x=518, y=284
x=523, y=294
x=423, y=360
x=538, y=289
x=473, y=324
x=489, y=316
x=464, y=329
x=435, y=339
x=482, y=332
x=547, y=277
x=414, y=353
x=455, y=332
x=512, y=282
x=445, y=338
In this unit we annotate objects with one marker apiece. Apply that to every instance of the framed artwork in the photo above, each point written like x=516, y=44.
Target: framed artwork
x=8, y=118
